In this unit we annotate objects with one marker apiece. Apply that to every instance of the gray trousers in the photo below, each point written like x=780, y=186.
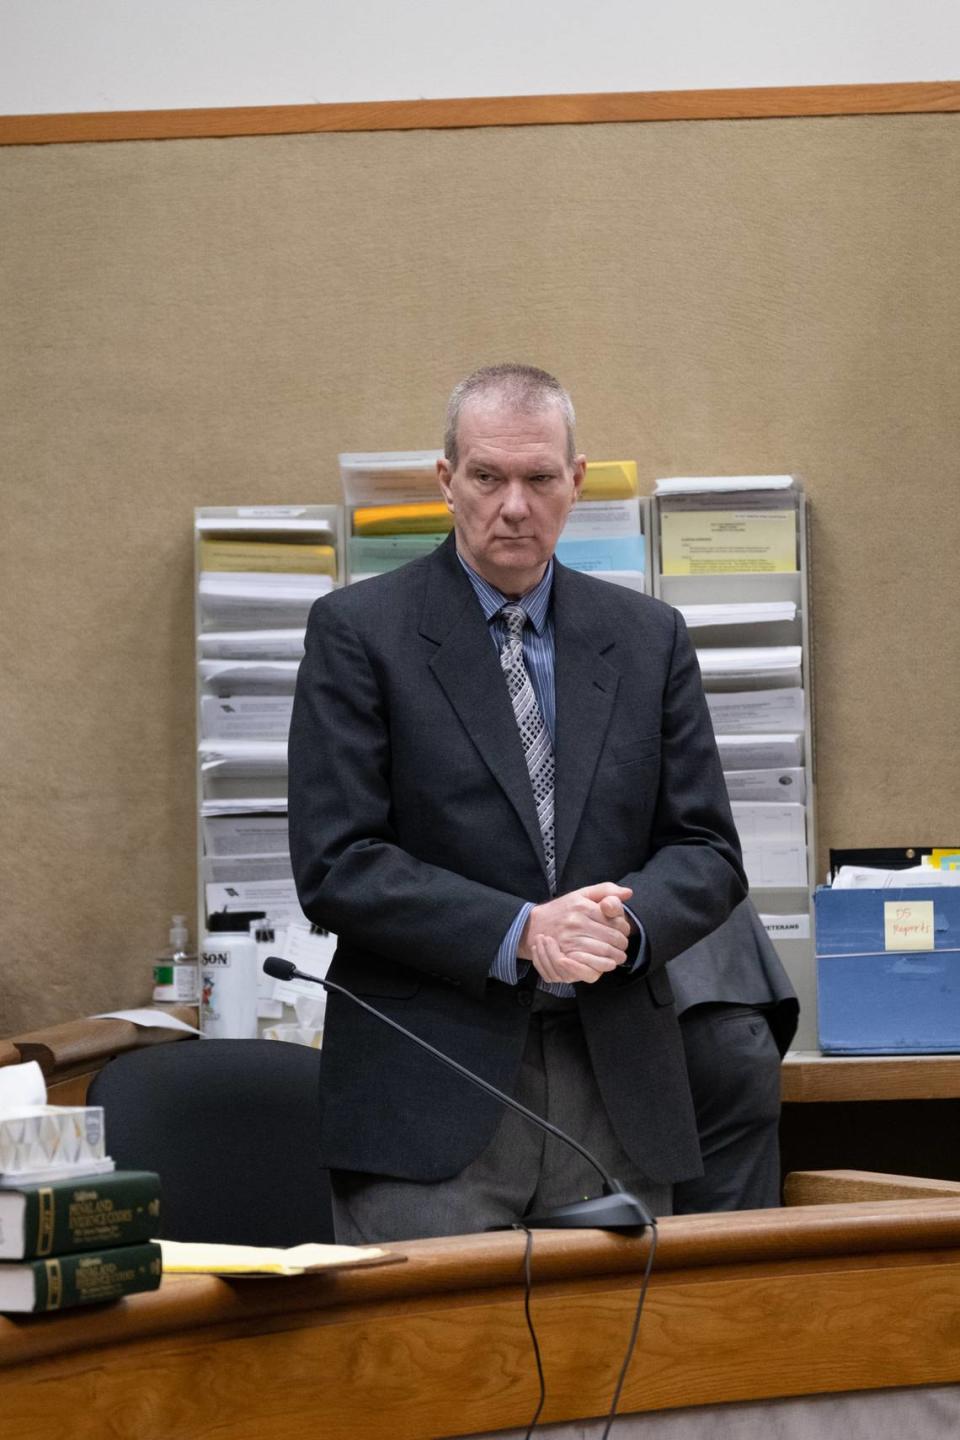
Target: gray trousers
x=522, y=1170
x=734, y=1069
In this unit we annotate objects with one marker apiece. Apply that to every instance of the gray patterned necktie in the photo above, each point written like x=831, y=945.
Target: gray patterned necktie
x=534, y=735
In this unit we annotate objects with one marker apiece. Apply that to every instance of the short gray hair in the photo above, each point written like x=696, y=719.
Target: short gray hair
x=522, y=386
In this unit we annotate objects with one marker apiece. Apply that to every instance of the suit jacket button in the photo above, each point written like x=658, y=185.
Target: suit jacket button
x=525, y=998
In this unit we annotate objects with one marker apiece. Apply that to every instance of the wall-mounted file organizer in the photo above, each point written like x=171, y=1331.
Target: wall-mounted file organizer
x=731, y=554
x=258, y=571
x=394, y=513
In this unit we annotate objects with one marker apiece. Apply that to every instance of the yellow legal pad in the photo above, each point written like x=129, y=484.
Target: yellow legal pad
x=422, y=519
x=183, y=1257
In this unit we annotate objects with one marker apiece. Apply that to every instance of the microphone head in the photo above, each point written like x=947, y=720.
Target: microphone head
x=279, y=969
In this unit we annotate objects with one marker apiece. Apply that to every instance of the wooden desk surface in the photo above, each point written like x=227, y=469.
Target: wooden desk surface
x=807, y=1076
x=438, y=1345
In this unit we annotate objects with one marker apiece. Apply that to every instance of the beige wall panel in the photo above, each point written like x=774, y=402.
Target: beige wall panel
x=210, y=322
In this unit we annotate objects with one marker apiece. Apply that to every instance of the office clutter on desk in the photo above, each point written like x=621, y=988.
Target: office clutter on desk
x=73, y=1230
x=259, y=570
x=731, y=555
x=888, y=962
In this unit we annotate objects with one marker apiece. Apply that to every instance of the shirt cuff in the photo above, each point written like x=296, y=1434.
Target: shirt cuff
x=640, y=960
x=506, y=966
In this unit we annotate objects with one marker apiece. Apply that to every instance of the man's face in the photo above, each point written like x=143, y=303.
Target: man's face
x=511, y=491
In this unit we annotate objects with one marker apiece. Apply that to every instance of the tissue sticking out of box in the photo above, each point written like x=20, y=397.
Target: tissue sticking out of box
x=40, y=1141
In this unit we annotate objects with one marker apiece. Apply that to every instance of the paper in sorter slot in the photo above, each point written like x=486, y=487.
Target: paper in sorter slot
x=760, y=752
x=750, y=711
x=402, y=519
x=772, y=784
x=610, y=480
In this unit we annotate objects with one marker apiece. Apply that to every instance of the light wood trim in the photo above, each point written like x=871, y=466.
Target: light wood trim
x=78, y=1048
x=617, y=108
x=842, y=1187
x=467, y=1263
x=812, y=1078
x=371, y=1354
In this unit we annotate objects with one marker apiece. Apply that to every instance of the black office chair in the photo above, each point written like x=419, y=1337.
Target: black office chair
x=232, y=1128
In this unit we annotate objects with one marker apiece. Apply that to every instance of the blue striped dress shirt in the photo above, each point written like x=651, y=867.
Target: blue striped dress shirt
x=539, y=652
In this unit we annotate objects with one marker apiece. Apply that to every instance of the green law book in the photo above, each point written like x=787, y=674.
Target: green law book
x=59, y=1217
x=84, y=1279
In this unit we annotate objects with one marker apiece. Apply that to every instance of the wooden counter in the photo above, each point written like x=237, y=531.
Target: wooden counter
x=437, y=1345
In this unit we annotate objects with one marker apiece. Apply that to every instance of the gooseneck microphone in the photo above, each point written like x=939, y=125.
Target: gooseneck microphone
x=615, y=1209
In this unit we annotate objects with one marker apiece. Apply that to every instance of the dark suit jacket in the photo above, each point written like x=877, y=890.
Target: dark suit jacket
x=738, y=965
x=414, y=838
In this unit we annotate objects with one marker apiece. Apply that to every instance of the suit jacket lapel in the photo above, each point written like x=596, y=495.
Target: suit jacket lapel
x=586, y=687
x=467, y=668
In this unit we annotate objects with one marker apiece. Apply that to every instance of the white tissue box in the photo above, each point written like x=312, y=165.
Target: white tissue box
x=45, y=1137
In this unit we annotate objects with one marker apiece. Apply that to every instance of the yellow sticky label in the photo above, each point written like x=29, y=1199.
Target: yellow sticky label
x=908, y=924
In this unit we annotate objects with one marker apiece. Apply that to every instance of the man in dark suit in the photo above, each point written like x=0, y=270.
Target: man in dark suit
x=506, y=801
x=738, y=1014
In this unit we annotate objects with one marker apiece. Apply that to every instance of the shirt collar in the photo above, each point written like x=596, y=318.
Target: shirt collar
x=536, y=602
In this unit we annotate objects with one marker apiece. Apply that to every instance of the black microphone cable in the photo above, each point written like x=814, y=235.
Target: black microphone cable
x=631, y=1343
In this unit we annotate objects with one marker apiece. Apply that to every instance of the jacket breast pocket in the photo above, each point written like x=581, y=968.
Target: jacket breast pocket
x=642, y=751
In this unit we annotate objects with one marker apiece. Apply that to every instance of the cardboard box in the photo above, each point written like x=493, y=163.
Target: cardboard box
x=888, y=970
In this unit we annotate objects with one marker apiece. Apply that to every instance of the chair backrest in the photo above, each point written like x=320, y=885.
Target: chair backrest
x=232, y=1128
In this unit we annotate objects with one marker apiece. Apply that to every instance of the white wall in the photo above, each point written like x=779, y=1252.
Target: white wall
x=74, y=55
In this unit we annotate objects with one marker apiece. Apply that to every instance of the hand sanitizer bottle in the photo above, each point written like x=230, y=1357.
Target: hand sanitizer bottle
x=176, y=975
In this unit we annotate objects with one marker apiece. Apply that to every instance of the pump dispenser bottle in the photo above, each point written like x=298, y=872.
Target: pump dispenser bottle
x=176, y=975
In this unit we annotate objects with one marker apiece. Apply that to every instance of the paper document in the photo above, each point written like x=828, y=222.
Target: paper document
x=242, y=757
x=714, y=484
x=728, y=542
x=245, y=717
x=758, y=612
x=610, y=480
x=864, y=877
x=744, y=712
x=251, y=644
x=246, y=869
x=249, y=677
x=760, y=752
x=276, y=898
x=776, y=865
x=246, y=600
x=266, y=519
x=244, y=805
x=148, y=1019
x=389, y=476
x=245, y=835
x=602, y=520
x=750, y=660
x=761, y=821
x=183, y=1257
x=777, y=785
x=620, y=552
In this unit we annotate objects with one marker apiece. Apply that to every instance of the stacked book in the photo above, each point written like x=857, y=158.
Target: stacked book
x=73, y=1230
x=729, y=560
